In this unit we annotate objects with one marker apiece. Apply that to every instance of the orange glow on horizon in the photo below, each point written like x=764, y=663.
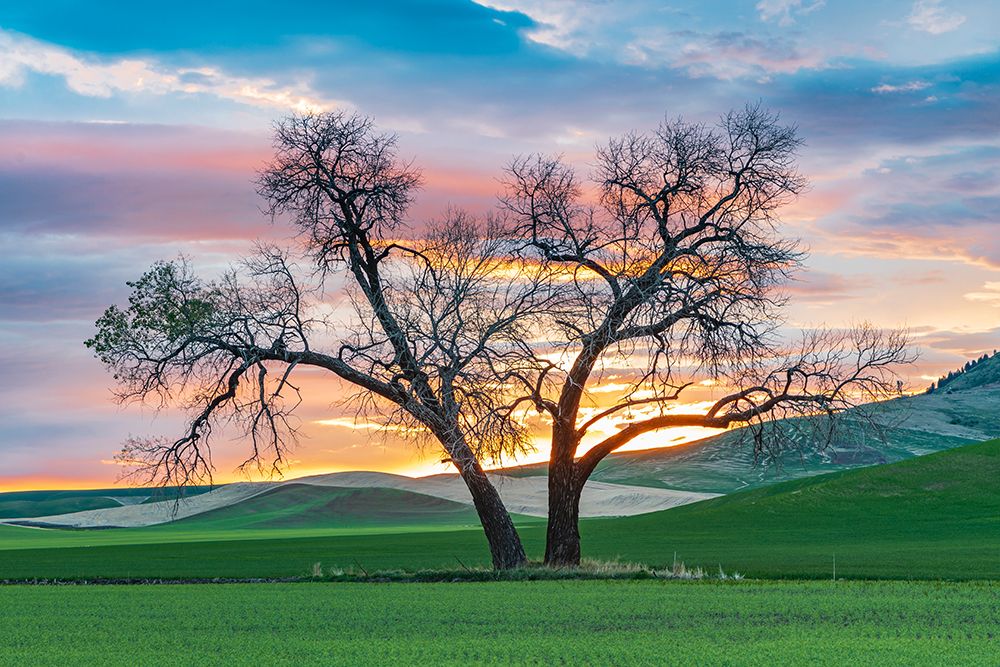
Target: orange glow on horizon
x=430, y=465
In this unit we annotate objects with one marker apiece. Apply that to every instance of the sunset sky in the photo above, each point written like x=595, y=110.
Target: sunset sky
x=130, y=134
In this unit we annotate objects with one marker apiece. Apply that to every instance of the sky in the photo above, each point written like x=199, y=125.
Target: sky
x=131, y=132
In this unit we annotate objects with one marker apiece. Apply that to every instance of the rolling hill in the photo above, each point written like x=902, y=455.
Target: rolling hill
x=967, y=411
x=27, y=504
x=524, y=496
x=932, y=517
x=308, y=506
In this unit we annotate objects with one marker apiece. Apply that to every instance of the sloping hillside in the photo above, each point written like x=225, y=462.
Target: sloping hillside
x=526, y=496
x=931, y=517
x=936, y=515
x=307, y=506
x=967, y=411
x=979, y=373
x=26, y=504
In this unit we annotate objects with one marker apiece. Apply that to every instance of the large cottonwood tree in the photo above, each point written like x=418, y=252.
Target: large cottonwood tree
x=673, y=269
x=435, y=331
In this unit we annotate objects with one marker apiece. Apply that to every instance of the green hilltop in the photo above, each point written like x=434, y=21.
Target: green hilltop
x=934, y=516
x=307, y=506
x=975, y=373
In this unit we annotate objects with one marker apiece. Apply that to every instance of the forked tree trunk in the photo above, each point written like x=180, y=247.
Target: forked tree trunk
x=562, y=540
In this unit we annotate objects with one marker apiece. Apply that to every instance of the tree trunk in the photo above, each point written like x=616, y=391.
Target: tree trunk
x=562, y=541
x=505, y=543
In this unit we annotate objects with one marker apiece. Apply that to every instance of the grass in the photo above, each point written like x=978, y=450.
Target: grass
x=934, y=517
x=553, y=622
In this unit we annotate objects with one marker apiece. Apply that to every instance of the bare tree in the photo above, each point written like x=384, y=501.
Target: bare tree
x=437, y=329
x=678, y=269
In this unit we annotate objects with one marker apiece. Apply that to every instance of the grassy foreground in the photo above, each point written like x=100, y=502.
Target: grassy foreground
x=647, y=622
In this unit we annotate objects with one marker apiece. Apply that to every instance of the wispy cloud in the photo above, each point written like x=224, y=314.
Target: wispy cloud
x=821, y=288
x=93, y=77
x=930, y=16
x=964, y=343
x=910, y=87
x=559, y=24
x=637, y=34
x=723, y=55
x=990, y=294
x=129, y=182
x=784, y=11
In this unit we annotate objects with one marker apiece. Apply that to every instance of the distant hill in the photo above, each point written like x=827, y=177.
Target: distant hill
x=967, y=411
x=344, y=499
x=980, y=372
x=932, y=516
x=26, y=504
x=307, y=506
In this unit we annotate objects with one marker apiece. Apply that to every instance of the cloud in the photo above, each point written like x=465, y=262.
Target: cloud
x=555, y=23
x=965, y=343
x=129, y=182
x=570, y=27
x=92, y=77
x=85, y=206
x=910, y=87
x=785, y=10
x=921, y=204
x=636, y=34
x=990, y=294
x=723, y=55
x=931, y=17
x=824, y=288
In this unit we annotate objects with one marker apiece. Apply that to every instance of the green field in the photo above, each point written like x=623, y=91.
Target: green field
x=933, y=517
x=576, y=622
x=917, y=522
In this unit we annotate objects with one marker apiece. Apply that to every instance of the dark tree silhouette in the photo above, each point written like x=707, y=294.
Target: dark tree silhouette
x=436, y=330
x=678, y=269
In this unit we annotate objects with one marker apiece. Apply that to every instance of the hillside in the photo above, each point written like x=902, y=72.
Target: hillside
x=967, y=411
x=933, y=517
x=977, y=373
x=936, y=515
x=525, y=496
x=308, y=506
x=28, y=504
